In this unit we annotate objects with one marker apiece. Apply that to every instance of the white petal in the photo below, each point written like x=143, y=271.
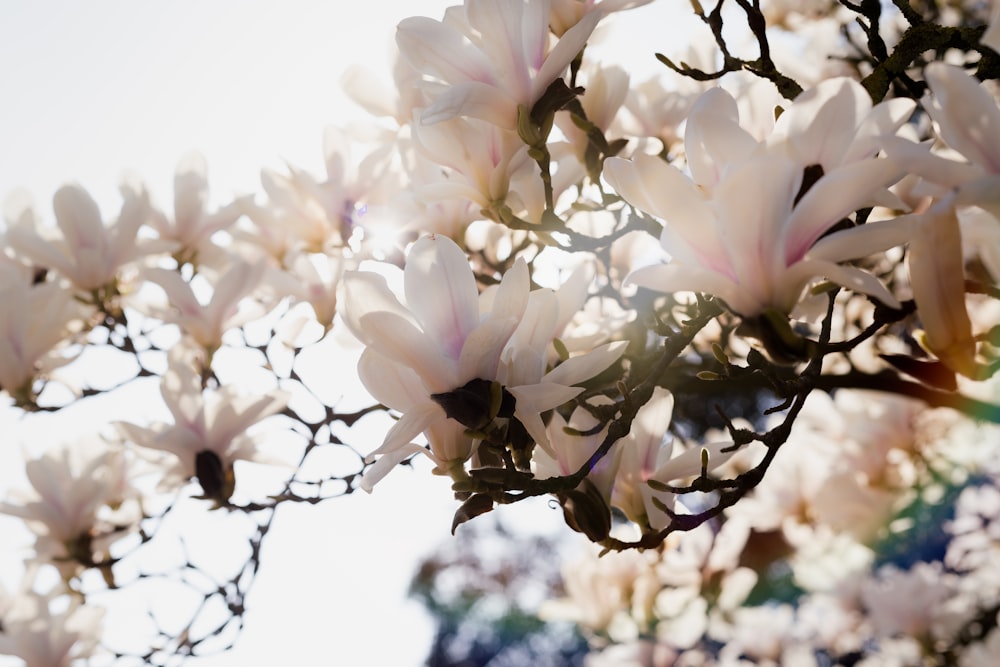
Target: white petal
x=414, y=421
x=585, y=366
x=968, y=116
x=834, y=196
x=441, y=292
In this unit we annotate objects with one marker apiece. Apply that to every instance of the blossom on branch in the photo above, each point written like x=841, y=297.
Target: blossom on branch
x=487, y=57
x=83, y=249
x=210, y=426
x=34, y=320
x=81, y=502
x=761, y=257
x=43, y=632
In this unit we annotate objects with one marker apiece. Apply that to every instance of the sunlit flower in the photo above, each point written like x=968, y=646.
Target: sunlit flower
x=31, y=630
x=34, y=320
x=192, y=225
x=648, y=453
x=84, y=249
x=489, y=56
x=567, y=13
x=205, y=320
x=81, y=502
x=441, y=339
x=210, y=426
x=967, y=119
x=763, y=256
x=481, y=160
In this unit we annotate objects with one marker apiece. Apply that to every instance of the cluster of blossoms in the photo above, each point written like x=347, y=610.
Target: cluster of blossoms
x=655, y=303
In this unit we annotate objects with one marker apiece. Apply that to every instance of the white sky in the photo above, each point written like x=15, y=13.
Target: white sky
x=91, y=89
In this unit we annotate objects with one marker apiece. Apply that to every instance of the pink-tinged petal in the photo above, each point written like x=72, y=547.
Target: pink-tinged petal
x=585, y=366
x=449, y=443
x=884, y=120
x=441, y=292
x=753, y=233
x=362, y=85
x=847, y=276
x=675, y=277
x=411, y=424
x=713, y=137
x=510, y=33
x=538, y=324
x=389, y=382
x=967, y=116
x=533, y=399
x=366, y=292
x=864, y=240
x=385, y=463
x=238, y=281
x=822, y=122
x=650, y=429
x=190, y=192
x=511, y=297
x=937, y=276
x=559, y=58
x=476, y=100
x=649, y=183
x=25, y=241
x=439, y=50
x=934, y=168
x=480, y=355
x=834, y=196
x=396, y=338
x=572, y=294
x=78, y=217
x=982, y=192
x=178, y=291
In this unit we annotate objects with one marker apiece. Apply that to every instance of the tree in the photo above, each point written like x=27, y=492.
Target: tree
x=739, y=323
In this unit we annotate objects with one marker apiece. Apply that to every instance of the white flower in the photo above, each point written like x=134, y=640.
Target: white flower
x=439, y=358
x=192, y=225
x=85, y=250
x=648, y=453
x=436, y=344
x=32, y=631
x=759, y=257
x=80, y=503
x=487, y=57
x=206, y=320
x=34, y=320
x=210, y=426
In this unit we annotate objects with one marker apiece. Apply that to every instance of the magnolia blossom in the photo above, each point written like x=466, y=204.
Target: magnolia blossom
x=192, y=224
x=648, y=453
x=34, y=320
x=567, y=13
x=306, y=213
x=206, y=320
x=209, y=430
x=437, y=343
x=434, y=358
x=760, y=257
x=83, y=249
x=81, y=502
x=487, y=57
x=967, y=118
x=44, y=633
x=481, y=160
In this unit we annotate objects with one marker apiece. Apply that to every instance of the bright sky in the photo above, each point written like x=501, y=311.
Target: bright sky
x=92, y=89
